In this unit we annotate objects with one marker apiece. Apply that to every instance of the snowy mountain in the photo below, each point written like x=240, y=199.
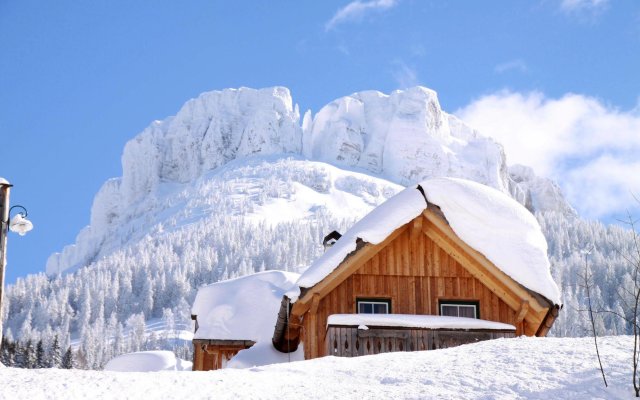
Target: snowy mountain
x=237, y=183
x=403, y=137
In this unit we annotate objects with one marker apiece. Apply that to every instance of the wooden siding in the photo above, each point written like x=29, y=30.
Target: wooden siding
x=349, y=341
x=415, y=273
x=214, y=354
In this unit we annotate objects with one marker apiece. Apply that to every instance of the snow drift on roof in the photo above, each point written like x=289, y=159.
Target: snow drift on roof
x=245, y=308
x=374, y=228
x=416, y=321
x=498, y=227
x=486, y=219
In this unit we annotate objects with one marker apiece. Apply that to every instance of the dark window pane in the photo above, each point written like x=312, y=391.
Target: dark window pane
x=449, y=310
x=366, y=308
x=380, y=309
x=467, y=311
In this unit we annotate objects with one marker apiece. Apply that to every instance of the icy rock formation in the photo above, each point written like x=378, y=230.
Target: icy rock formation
x=536, y=193
x=404, y=136
x=207, y=132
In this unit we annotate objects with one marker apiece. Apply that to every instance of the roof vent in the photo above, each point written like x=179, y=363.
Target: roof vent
x=330, y=239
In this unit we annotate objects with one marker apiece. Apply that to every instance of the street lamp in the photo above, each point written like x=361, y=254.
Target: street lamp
x=18, y=224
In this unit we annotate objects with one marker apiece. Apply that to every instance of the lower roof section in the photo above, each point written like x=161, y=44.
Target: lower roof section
x=415, y=321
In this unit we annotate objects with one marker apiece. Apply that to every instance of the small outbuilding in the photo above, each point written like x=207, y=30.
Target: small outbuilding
x=234, y=315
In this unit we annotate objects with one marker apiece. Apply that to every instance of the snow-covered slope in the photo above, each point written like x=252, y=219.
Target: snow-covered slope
x=520, y=368
x=403, y=137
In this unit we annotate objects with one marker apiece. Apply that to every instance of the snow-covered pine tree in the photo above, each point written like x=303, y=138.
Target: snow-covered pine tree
x=28, y=355
x=55, y=354
x=41, y=361
x=67, y=359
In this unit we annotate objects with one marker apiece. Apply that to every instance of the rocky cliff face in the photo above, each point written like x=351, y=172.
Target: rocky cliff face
x=403, y=137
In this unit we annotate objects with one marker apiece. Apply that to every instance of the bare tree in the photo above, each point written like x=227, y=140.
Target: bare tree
x=632, y=256
x=587, y=284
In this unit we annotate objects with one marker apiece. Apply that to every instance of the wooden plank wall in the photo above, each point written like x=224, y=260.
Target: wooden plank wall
x=213, y=357
x=414, y=273
x=349, y=341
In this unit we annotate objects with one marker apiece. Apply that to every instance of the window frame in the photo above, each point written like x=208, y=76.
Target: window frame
x=373, y=300
x=474, y=303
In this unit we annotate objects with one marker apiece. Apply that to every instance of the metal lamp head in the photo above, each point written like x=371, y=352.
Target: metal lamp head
x=20, y=224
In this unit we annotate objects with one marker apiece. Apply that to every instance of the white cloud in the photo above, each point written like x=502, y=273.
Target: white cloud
x=583, y=6
x=404, y=75
x=356, y=10
x=591, y=149
x=513, y=65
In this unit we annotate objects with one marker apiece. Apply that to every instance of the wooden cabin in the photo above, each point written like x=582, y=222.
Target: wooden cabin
x=417, y=284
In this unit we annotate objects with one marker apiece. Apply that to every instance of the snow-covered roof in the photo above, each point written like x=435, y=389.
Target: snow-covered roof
x=415, y=321
x=244, y=308
x=489, y=221
x=374, y=228
x=499, y=227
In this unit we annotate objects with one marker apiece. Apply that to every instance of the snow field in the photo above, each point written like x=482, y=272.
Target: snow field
x=520, y=368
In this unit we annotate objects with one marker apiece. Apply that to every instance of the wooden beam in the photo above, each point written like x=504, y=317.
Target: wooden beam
x=315, y=302
x=486, y=268
x=524, y=308
x=468, y=263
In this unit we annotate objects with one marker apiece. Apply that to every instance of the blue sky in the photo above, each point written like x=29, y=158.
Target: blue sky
x=79, y=79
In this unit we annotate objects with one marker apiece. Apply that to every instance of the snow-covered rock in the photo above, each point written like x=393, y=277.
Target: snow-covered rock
x=537, y=193
x=404, y=136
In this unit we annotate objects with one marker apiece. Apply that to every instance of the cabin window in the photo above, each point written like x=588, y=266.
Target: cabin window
x=453, y=308
x=373, y=306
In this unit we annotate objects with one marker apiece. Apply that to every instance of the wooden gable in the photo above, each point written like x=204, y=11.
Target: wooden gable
x=418, y=265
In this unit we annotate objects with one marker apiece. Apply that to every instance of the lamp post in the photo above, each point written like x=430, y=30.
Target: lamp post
x=19, y=224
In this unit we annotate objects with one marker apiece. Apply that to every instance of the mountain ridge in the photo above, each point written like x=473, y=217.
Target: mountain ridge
x=403, y=137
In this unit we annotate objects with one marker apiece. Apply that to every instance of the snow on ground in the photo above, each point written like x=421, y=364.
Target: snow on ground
x=520, y=368
x=148, y=361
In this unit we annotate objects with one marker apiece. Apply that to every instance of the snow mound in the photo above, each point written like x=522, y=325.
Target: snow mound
x=264, y=353
x=486, y=219
x=498, y=227
x=416, y=321
x=244, y=308
x=147, y=361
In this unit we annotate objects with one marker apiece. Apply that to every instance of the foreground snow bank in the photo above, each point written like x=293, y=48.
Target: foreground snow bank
x=148, y=361
x=531, y=368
